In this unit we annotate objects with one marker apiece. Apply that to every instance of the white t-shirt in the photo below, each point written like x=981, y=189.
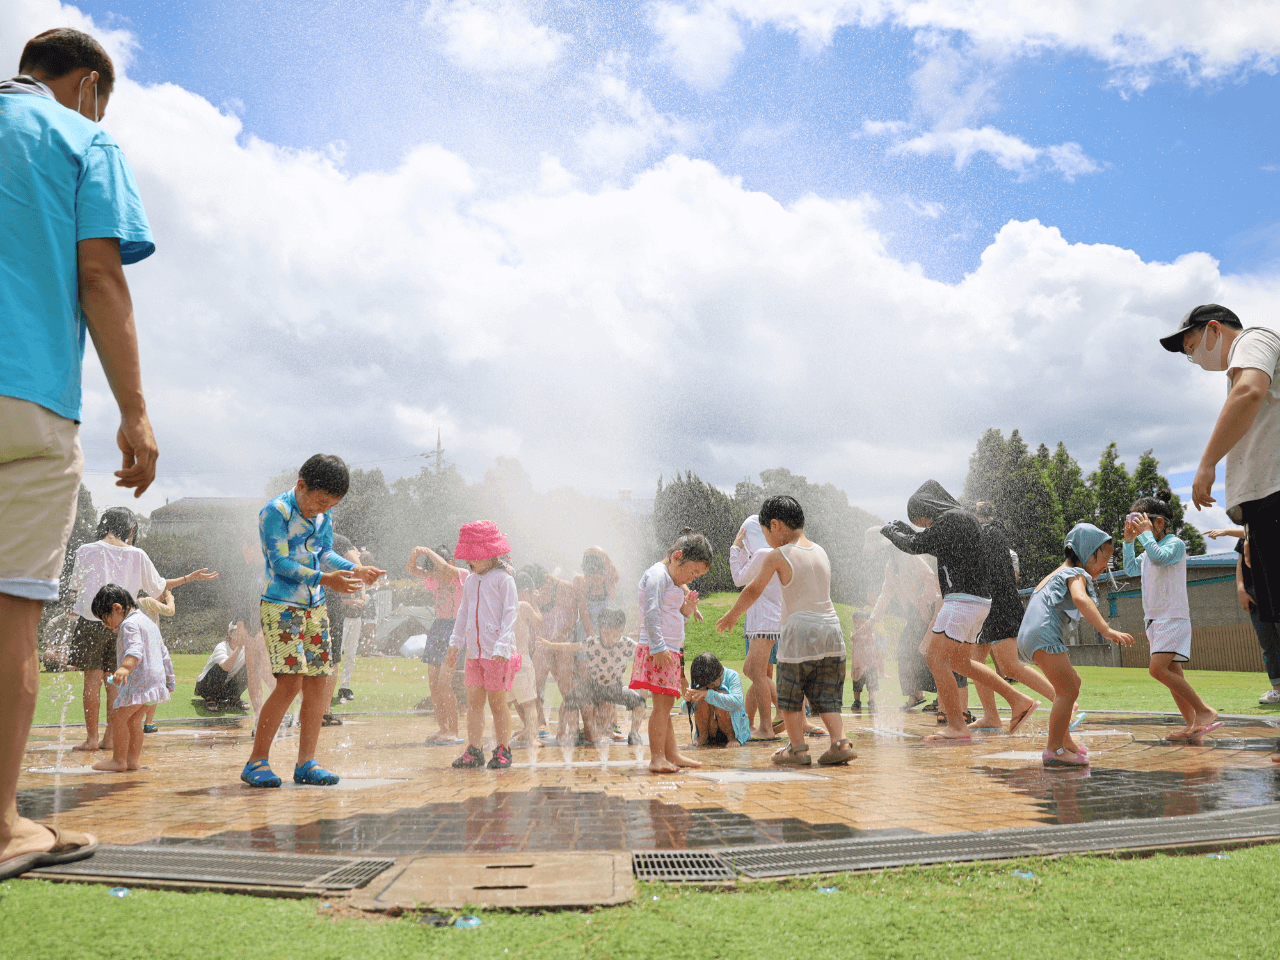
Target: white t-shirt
x=1253, y=465
x=765, y=615
x=99, y=563
x=222, y=657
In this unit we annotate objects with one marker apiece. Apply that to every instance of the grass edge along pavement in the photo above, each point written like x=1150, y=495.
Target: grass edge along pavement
x=1201, y=906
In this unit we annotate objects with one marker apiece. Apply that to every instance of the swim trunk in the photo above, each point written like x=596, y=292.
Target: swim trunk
x=773, y=651
x=822, y=681
x=524, y=685
x=1002, y=622
x=297, y=639
x=590, y=692
x=438, y=635
x=1170, y=636
x=492, y=675
x=647, y=675
x=961, y=617
x=40, y=469
x=93, y=646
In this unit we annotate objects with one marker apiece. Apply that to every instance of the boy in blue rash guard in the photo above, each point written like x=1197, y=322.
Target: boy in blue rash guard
x=954, y=536
x=297, y=542
x=1165, y=611
x=715, y=696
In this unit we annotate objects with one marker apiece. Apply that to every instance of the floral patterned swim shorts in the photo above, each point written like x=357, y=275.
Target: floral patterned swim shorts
x=297, y=639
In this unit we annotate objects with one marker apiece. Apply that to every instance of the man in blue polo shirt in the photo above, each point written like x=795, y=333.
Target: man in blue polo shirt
x=70, y=217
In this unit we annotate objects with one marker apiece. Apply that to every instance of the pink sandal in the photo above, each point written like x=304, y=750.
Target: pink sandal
x=1060, y=758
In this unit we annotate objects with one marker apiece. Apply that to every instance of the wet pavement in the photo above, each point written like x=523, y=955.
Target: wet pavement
x=399, y=797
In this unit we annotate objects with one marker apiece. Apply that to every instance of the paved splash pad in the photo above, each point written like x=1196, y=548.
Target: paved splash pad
x=400, y=798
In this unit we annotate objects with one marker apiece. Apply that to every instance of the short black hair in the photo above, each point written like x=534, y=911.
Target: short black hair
x=705, y=670
x=107, y=597
x=784, y=508
x=57, y=52
x=523, y=582
x=326, y=473
x=118, y=520
x=592, y=563
x=537, y=573
x=611, y=617
x=693, y=547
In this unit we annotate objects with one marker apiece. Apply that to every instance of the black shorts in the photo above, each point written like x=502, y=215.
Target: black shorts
x=93, y=646
x=1262, y=525
x=1002, y=623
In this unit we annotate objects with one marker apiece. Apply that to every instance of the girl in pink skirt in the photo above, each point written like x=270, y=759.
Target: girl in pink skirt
x=659, y=660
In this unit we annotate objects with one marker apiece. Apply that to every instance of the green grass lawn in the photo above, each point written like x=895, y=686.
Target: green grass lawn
x=1077, y=907
x=398, y=684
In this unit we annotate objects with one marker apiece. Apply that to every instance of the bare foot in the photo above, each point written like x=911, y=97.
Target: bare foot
x=662, y=765
x=88, y=747
x=133, y=765
x=106, y=745
x=1022, y=714
x=27, y=837
x=811, y=728
x=764, y=733
x=1203, y=722
x=680, y=760
x=733, y=743
x=109, y=763
x=951, y=733
x=1182, y=733
x=987, y=723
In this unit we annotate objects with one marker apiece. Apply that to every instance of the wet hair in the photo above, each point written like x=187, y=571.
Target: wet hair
x=57, y=52
x=1157, y=506
x=117, y=520
x=592, y=563
x=704, y=671
x=443, y=552
x=1071, y=557
x=984, y=510
x=523, y=582
x=693, y=547
x=537, y=573
x=786, y=509
x=106, y=599
x=611, y=617
x=326, y=473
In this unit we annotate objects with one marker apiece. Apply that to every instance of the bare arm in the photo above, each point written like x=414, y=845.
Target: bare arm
x=1237, y=416
x=108, y=313
x=751, y=592
x=204, y=573
x=1089, y=610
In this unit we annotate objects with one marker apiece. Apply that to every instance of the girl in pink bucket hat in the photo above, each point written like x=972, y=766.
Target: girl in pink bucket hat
x=485, y=628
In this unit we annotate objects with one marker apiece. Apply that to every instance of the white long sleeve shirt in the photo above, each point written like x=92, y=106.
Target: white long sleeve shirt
x=486, y=621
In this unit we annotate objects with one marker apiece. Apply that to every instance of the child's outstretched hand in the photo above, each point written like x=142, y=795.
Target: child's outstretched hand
x=369, y=574
x=1115, y=636
x=726, y=623
x=341, y=581
x=690, y=605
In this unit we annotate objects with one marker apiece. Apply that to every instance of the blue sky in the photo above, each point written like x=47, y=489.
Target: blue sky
x=621, y=240
x=1186, y=165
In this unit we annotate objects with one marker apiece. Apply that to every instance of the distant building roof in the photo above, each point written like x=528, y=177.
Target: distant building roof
x=195, y=508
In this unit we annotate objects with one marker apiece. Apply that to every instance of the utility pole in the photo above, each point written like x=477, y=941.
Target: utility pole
x=439, y=452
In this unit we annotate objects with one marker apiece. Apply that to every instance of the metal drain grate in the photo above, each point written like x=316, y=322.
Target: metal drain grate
x=677, y=865
x=202, y=865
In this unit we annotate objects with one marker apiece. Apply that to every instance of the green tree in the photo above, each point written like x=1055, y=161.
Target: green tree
x=988, y=467
x=1112, y=490
x=689, y=502
x=1074, y=496
x=84, y=530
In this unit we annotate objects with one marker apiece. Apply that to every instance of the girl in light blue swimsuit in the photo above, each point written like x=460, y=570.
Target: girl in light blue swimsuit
x=1066, y=593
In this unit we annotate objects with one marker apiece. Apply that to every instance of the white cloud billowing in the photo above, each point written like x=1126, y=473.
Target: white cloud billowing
x=494, y=36
x=702, y=44
x=606, y=335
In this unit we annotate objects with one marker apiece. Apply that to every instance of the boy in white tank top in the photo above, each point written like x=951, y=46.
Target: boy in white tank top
x=811, y=650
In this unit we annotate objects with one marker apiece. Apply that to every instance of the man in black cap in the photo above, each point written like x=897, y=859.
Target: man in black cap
x=1247, y=434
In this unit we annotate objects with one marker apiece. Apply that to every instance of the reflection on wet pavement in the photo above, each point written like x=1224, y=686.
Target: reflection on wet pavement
x=402, y=797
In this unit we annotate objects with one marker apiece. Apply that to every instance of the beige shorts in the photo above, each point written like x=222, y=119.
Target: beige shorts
x=523, y=685
x=40, y=469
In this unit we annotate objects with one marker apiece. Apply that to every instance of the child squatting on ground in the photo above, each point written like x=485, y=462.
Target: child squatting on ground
x=1165, y=610
x=605, y=685
x=811, y=651
x=1066, y=593
x=144, y=674
x=715, y=699
x=486, y=629
x=659, y=657
x=297, y=542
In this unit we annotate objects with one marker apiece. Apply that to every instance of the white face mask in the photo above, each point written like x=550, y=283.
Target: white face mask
x=80, y=97
x=1210, y=358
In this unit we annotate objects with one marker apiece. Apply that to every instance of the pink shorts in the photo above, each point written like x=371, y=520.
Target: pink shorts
x=647, y=675
x=491, y=674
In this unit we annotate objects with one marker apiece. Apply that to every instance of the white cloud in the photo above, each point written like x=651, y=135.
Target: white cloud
x=1195, y=37
x=702, y=44
x=495, y=36
x=1009, y=152
x=23, y=19
x=627, y=128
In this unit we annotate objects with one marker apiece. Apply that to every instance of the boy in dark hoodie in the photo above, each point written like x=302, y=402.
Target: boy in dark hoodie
x=953, y=536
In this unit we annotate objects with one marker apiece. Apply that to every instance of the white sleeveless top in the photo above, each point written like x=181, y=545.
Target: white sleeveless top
x=1164, y=590
x=811, y=629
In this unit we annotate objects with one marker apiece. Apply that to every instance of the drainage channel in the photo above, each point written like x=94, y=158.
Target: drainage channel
x=875, y=853
x=242, y=868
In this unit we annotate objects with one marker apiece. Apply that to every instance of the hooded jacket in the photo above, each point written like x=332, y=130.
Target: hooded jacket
x=954, y=538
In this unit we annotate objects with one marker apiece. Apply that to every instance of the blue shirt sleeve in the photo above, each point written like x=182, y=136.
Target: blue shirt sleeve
x=273, y=528
x=108, y=203
x=1132, y=564
x=328, y=556
x=1167, y=551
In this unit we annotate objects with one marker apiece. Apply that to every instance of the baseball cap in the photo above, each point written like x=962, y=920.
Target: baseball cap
x=1198, y=317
